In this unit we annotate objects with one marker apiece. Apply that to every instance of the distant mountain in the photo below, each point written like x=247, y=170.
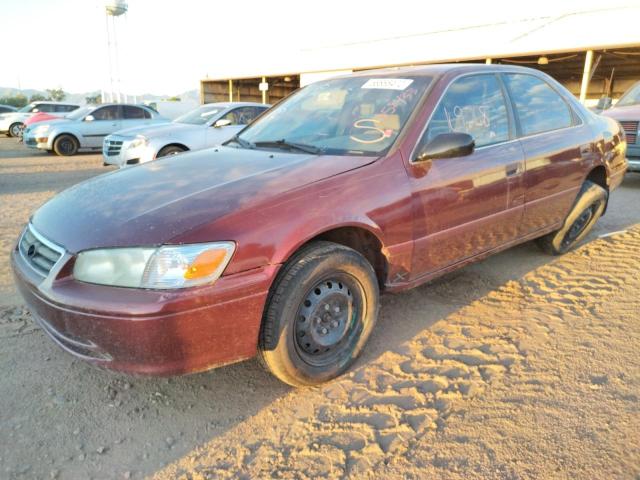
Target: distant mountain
x=192, y=95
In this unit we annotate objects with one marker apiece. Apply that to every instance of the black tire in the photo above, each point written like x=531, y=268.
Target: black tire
x=319, y=314
x=15, y=129
x=65, y=145
x=588, y=207
x=170, y=150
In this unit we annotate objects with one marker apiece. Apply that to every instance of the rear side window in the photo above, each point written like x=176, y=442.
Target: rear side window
x=243, y=115
x=539, y=107
x=133, y=113
x=474, y=105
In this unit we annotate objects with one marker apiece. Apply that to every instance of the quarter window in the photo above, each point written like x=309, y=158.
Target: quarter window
x=538, y=106
x=474, y=105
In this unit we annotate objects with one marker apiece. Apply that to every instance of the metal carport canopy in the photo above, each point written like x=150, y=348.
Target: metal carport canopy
x=595, y=29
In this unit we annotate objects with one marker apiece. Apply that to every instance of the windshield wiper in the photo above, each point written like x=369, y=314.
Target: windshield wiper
x=290, y=145
x=241, y=141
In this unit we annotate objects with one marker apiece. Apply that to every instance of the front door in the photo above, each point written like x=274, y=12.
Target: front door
x=106, y=120
x=468, y=205
x=238, y=117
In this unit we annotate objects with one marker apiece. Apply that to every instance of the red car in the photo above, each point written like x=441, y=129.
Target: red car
x=279, y=242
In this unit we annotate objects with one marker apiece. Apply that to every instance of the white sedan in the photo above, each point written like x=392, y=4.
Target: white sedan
x=204, y=127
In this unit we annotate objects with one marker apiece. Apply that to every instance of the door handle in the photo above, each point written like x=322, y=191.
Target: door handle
x=512, y=169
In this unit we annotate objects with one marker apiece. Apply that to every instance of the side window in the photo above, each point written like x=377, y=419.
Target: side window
x=42, y=107
x=133, y=113
x=475, y=105
x=71, y=108
x=242, y=115
x=57, y=108
x=147, y=113
x=110, y=112
x=538, y=106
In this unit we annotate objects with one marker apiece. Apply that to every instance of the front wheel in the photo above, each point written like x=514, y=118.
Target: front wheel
x=319, y=314
x=589, y=206
x=15, y=130
x=65, y=145
x=170, y=150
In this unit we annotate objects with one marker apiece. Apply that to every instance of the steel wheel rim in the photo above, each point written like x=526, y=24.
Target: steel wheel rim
x=579, y=225
x=326, y=323
x=16, y=130
x=66, y=145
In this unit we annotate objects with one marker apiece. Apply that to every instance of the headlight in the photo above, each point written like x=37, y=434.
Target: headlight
x=41, y=129
x=138, y=142
x=167, y=267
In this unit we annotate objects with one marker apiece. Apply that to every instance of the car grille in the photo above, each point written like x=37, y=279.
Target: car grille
x=631, y=130
x=38, y=252
x=112, y=147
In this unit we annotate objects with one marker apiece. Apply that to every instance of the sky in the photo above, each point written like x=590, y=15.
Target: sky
x=166, y=47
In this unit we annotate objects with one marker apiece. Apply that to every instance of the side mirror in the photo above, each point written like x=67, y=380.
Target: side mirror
x=223, y=122
x=447, y=145
x=89, y=118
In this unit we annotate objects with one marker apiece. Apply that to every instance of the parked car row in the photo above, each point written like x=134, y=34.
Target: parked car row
x=280, y=241
x=129, y=134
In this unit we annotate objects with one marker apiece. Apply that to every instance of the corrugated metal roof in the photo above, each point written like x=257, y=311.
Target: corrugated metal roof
x=594, y=29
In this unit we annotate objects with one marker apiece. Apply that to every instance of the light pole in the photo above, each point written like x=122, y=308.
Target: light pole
x=113, y=9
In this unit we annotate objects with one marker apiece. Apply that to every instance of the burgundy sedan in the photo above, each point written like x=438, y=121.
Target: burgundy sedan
x=279, y=242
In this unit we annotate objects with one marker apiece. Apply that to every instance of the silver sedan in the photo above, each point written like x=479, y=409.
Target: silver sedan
x=204, y=127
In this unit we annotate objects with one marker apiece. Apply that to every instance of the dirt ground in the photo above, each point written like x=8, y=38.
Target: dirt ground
x=522, y=366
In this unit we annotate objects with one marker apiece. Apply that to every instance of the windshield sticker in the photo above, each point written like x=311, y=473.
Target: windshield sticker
x=388, y=83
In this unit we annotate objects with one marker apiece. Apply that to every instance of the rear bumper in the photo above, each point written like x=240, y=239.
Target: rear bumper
x=145, y=331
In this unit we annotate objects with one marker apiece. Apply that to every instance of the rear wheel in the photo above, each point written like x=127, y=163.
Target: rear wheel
x=170, y=150
x=15, y=130
x=65, y=145
x=319, y=315
x=589, y=206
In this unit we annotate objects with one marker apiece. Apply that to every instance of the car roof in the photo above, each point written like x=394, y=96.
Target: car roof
x=236, y=104
x=437, y=70
x=49, y=102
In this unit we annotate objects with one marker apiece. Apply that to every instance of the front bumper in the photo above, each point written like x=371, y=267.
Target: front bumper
x=31, y=141
x=117, y=151
x=148, y=331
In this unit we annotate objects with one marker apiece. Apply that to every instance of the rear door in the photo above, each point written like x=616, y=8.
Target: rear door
x=106, y=120
x=134, y=116
x=471, y=204
x=555, y=142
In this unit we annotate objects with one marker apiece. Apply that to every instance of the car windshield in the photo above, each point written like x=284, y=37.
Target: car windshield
x=632, y=96
x=345, y=116
x=79, y=113
x=199, y=116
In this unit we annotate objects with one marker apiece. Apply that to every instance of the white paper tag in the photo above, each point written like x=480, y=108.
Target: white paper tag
x=388, y=83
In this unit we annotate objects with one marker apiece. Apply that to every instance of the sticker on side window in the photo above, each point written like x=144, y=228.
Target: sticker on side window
x=388, y=83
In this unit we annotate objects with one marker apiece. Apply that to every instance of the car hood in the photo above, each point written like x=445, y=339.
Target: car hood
x=626, y=112
x=159, y=129
x=155, y=202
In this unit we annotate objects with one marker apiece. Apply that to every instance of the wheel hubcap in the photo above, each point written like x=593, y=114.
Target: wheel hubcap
x=325, y=318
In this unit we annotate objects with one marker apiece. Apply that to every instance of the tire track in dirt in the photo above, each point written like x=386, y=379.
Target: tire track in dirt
x=376, y=414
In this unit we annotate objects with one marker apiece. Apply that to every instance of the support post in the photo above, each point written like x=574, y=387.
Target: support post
x=488, y=61
x=231, y=90
x=586, y=75
x=264, y=92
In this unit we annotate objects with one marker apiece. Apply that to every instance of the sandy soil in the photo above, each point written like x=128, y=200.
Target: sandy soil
x=521, y=366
